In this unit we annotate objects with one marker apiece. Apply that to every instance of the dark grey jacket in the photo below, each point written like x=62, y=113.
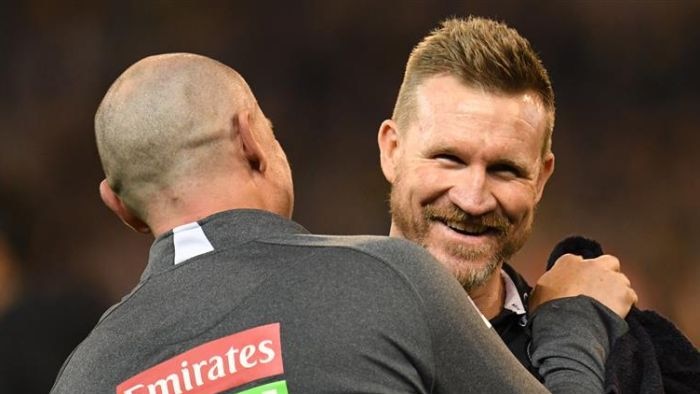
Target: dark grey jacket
x=248, y=301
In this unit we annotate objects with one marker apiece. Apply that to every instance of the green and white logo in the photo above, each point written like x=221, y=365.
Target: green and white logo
x=279, y=387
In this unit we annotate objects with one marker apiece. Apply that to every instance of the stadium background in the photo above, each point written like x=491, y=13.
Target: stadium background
x=627, y=137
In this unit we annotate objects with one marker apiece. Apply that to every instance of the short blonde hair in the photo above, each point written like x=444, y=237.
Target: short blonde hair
x=482, y=53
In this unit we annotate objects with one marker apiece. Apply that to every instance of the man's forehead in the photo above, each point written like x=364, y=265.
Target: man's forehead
x=444, y=98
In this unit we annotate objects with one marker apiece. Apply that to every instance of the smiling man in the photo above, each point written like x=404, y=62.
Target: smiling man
x=472, y=163
x=468, y=154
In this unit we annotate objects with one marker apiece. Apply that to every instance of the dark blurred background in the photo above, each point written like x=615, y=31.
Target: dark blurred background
x=627, y=137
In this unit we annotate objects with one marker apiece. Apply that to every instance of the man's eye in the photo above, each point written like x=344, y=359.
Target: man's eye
x=506, y=170
x=451, y=159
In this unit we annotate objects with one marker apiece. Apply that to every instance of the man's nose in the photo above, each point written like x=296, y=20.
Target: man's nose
x=471, y=192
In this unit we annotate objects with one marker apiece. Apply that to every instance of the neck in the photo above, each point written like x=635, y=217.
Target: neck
x=395, y=232
x=171, y=211
x=490, y=296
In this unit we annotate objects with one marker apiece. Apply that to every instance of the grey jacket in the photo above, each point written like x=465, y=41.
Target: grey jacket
x=246, y=301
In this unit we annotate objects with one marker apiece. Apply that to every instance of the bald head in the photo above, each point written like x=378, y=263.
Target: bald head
x=169, y=123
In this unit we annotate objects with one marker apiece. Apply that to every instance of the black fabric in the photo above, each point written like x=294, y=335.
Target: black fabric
x=584, y=247
x=514, y=328
x=653, y=357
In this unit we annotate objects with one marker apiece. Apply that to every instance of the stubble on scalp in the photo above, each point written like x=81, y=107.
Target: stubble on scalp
x=162, y=121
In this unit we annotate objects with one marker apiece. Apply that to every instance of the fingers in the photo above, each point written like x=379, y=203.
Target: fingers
x=633, y=296
x=623, y=307
x=626, y=280
x=599, y=278
x=607, y=261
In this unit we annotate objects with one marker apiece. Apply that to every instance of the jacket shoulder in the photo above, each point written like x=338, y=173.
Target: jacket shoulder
x=380, y=247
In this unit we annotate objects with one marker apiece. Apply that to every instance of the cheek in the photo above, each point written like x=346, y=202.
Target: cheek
x=517, y=201
x=428, y=182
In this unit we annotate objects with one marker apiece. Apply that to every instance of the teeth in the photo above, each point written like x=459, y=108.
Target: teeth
x=463, y=228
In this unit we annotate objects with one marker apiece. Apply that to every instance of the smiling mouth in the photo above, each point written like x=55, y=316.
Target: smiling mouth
x=474, y=230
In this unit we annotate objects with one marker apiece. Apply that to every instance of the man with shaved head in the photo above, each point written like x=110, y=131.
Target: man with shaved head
x=166, y=122
x=238, y=298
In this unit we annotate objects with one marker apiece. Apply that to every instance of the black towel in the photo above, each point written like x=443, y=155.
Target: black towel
x=653, y=356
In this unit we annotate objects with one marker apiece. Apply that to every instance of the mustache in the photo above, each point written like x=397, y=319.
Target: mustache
x=452, y=214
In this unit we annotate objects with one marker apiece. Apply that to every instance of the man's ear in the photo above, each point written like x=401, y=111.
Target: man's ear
x=250, y=142
x=546, y=172
x=388, y=139
x=116, y=205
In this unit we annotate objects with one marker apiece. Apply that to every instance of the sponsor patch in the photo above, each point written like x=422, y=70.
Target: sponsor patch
x=279, y=387
x=215, y=366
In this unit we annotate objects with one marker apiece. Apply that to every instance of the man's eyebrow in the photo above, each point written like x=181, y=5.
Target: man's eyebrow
x=512, y=163
x=269, y=123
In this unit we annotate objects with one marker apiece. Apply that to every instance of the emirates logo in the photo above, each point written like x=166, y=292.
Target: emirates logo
x=215, y=366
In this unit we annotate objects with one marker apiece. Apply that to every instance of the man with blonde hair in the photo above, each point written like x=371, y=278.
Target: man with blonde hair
x=468, y=154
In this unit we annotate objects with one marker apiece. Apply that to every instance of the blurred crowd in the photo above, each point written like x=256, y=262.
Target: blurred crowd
x=327, y=73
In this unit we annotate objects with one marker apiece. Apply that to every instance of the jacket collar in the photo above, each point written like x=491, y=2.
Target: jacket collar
x=221, y=230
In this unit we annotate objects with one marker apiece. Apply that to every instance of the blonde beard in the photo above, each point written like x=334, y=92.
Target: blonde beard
x=468, y=275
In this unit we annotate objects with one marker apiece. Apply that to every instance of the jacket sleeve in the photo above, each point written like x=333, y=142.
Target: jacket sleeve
x=572, y=338
x=470, y=357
